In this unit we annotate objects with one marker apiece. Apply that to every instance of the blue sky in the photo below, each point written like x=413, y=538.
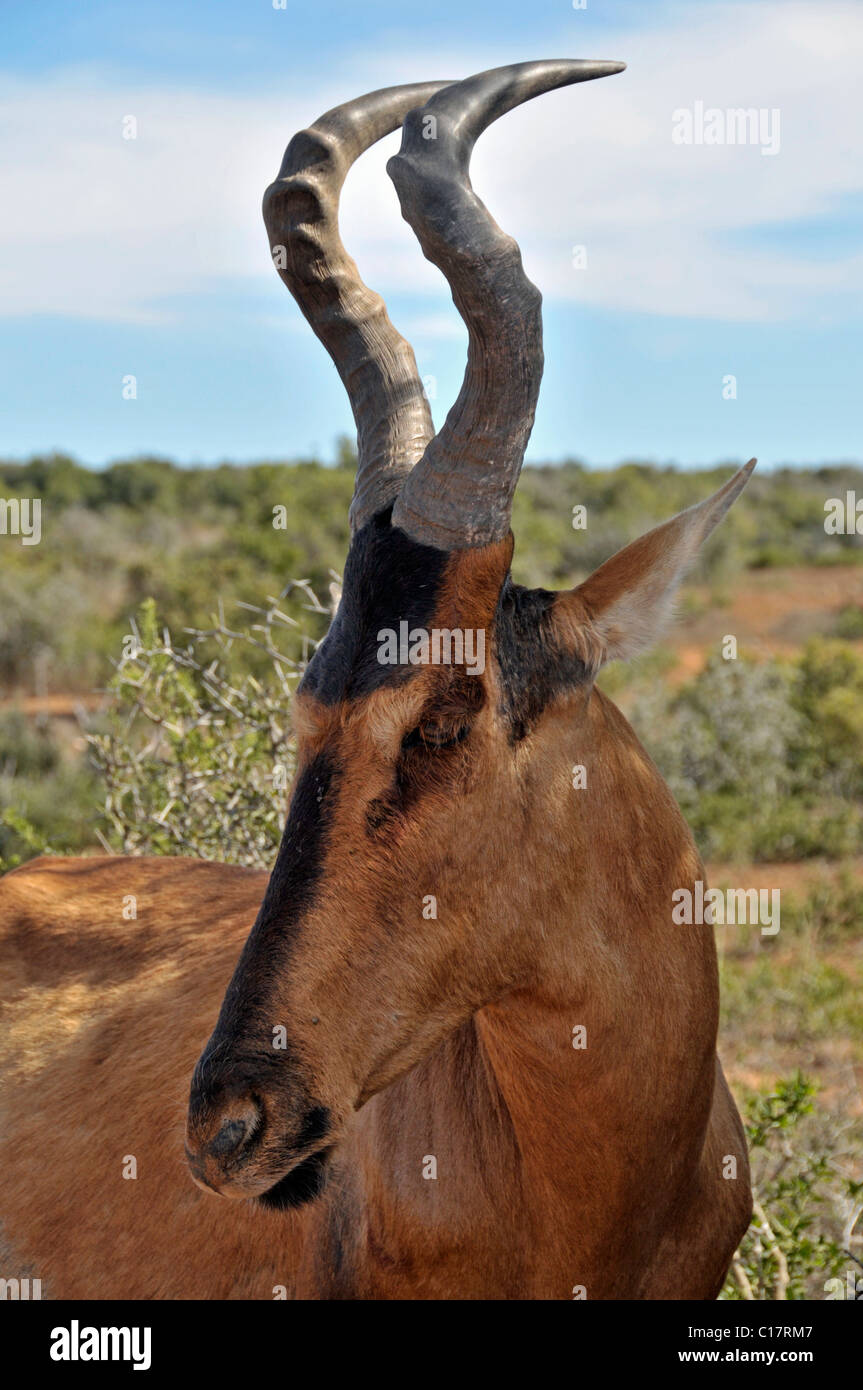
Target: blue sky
x=148, y=256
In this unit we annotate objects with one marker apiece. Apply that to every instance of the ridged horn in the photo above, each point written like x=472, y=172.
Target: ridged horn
x=375, y=363
x=460, y=492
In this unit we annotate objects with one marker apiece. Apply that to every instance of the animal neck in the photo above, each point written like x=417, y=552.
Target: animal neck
x=605, y=1061
x=543, y=1119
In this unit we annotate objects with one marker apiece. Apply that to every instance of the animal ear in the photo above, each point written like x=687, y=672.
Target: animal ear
x=621, y=609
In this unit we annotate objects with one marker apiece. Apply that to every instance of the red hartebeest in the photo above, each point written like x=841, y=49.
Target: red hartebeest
x=446, y=911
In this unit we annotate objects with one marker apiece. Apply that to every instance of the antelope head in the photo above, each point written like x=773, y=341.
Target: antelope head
x=436, y=859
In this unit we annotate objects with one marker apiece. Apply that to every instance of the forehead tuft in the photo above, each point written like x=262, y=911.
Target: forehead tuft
x=389, y=579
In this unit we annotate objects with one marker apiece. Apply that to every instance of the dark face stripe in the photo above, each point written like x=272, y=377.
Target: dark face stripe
x=388, y=579
x=291, y=892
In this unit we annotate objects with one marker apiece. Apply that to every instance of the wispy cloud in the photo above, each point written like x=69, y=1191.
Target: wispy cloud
x=95, y=226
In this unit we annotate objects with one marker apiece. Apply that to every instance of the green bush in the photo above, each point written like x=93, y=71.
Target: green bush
x=146, y=528
x=796, y=1241
x=849, y=622
x=45, y=798
x=765, y=759
x=196, y=753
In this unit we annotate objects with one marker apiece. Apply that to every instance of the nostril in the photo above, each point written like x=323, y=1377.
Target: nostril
x=230, y=1137
x=222, y=1136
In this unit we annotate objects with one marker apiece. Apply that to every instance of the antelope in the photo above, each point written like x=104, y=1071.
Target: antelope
x=464, y=1052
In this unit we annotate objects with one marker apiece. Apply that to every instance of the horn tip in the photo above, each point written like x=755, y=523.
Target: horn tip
x=597, y=67
x=591, y=67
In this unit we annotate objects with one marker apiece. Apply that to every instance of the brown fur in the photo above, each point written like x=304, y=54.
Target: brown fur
x=450, y=1038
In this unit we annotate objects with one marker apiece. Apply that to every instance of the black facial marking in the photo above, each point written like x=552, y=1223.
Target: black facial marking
x=388, y=579
x=385, y=813
x=534, y=667
x=302, y=1184
x=291, y=891
x=315, y=1127
x=430, y=758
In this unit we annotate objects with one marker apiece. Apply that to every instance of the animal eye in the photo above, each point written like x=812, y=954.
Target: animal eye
x=435, y=734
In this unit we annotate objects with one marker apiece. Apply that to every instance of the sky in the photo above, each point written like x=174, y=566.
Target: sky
x=701, y=261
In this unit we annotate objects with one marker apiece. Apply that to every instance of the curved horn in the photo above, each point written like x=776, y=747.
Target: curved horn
x=460, y=493
x=375, y=363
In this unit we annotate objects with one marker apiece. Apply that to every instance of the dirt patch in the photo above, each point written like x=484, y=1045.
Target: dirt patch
x=771, y=612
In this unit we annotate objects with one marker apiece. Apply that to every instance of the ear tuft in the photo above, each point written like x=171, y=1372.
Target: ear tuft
x=624, y=605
